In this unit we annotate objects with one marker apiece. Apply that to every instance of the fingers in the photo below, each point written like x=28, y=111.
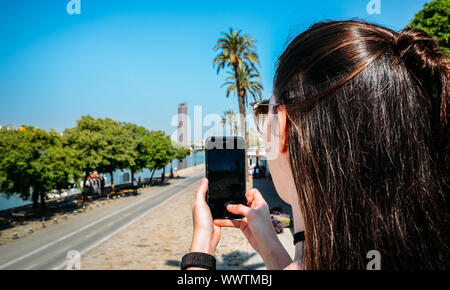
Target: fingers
x=201, y=190
x=230, y=223
x=238, y=209
x=254, y=196
x=217, y=230
x=227, y=223
x=249, y=195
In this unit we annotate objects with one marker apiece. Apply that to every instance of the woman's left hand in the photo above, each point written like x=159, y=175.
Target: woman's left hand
x=206, y=233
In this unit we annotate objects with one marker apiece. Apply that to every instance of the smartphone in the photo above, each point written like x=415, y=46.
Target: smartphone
x=225, y=170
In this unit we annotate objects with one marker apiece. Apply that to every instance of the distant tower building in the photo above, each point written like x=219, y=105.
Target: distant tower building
x=183, y=124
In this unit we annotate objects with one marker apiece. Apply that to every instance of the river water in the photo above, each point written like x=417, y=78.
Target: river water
x=196, y=158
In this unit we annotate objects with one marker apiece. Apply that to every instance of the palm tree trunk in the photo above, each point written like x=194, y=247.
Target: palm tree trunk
x=242, y=118
x=241, y=100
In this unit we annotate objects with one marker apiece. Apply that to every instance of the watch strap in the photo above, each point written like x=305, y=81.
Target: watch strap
x=299, y=237
x=199, y=260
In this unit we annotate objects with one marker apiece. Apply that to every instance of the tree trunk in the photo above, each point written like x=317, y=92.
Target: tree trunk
x=230, y=120
x=132, y=177
x=242, y=118
x=35, y=198
x=151, y=177
x=112, y=181
x=241, y=100
x=43, y=206
x=83, y=190
x=171, y=170
x=163, y=176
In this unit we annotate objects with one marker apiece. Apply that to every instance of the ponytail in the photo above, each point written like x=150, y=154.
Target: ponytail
x=421, y=54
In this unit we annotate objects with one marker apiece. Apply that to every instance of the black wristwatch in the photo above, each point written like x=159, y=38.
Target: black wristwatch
x=198, y=260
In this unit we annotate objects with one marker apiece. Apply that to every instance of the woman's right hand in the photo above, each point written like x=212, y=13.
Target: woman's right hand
x=256, y=224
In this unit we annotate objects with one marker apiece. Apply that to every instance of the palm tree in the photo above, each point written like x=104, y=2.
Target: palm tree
x=235, y=128
x=248, y=81
x=236, y=51
x=229, y=117
x=248, y=86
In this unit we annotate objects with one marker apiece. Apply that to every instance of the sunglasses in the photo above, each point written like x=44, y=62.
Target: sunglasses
x=260, y=112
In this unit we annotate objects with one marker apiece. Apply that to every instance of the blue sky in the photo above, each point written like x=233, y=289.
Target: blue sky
x=136, y=60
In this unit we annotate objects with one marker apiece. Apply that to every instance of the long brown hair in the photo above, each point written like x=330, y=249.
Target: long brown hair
x=368, y=144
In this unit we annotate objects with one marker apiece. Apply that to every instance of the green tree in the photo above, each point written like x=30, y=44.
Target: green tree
x=101, y=144
x=237, y=52
x=179, y=153
x=433, y=19
x=142, y=142
x=87, y=141
x=33, y=162
x=160, y=152
x=119, y=151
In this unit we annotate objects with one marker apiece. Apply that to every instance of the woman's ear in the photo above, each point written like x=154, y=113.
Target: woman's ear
x=283, y=128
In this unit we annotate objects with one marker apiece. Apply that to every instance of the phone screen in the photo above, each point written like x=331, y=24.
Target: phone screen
x=225, y=170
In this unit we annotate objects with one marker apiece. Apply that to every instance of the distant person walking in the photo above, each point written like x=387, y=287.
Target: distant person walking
x=87, y=187
x=257, y=172
x=95, y=187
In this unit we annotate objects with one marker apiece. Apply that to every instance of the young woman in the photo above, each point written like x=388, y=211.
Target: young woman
x=357, y=137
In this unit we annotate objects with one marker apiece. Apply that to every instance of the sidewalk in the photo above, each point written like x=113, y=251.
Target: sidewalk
x=162, y=237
